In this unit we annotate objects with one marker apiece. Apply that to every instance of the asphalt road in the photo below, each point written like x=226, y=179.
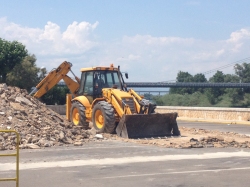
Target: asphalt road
x=114, y=163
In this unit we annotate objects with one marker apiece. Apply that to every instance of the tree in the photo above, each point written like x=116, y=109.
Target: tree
x=182, y=77
x=57, y=95
x=24, y=75
x=236, y=95
x=217, y=77
x=148, y=96
x=231, y=78
x=243, y=72
x=42, y=73
x=11, y=54
x=199, y=78
x=158, y=99
x=213, y=94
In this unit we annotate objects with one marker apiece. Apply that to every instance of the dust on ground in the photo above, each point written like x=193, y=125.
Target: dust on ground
x=193, y=138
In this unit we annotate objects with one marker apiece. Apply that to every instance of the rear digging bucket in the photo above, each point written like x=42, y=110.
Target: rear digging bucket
x=148, y=125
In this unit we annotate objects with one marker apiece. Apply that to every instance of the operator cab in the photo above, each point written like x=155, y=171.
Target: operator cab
x=92, y=82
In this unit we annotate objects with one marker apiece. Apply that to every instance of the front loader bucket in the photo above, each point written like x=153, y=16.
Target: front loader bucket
x=148, y=125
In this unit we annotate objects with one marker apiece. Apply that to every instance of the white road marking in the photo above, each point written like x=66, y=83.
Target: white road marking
x=175, y=172
x=200, y=165
x=122, y=160
x=77, y=148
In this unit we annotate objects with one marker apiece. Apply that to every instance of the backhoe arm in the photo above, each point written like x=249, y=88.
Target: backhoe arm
x=54, y=77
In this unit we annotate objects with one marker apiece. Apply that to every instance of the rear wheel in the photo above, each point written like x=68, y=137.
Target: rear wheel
x=78, y=116
x=103, y=117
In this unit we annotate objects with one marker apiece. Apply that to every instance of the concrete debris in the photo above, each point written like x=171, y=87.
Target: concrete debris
x=37, y=125
x=32, y=146
x=99, y=136
x=78, y=144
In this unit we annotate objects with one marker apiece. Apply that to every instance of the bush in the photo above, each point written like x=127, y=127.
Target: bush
x=195, y=99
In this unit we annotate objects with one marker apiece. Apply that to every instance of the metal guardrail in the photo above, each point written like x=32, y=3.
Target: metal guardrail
x=159, y=92
x=13, y=154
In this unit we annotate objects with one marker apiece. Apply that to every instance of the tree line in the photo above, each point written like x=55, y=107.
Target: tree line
x=207, y=97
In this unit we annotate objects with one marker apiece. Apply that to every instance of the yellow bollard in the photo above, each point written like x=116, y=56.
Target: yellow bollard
x=17, y=158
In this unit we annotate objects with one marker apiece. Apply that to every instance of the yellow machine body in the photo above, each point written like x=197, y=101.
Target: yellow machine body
x=101, y=97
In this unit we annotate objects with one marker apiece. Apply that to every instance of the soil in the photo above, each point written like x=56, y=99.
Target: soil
x=194, y=138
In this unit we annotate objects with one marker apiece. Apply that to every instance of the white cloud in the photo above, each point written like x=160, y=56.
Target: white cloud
x=145, y=57
x=160, y=58
x=51, y=40
x=239, y=35
x=51, y=32
x=220, y=52
x=239, y=40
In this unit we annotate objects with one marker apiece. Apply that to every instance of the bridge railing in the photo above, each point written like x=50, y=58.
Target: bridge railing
x=181, y=84
x=186, y=84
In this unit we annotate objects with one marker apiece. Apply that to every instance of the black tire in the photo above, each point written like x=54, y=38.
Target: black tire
x=78, y=116
x=103, y=117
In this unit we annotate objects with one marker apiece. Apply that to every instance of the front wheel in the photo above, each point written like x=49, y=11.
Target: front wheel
x=103, y=117
x=78, y=116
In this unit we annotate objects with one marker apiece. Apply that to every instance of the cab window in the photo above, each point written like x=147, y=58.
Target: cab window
x=88, y=86
x=112, y=79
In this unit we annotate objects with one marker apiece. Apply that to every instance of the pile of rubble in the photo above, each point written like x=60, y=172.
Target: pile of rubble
x=37, y=125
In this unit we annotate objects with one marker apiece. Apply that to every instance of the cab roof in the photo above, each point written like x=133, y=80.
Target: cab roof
x=111, y=67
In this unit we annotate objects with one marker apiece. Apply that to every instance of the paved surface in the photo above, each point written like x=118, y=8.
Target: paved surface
x=238, y=128
x=114, y=163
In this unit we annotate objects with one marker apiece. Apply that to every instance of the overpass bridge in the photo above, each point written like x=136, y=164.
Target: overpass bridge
x=147, y=86
x=181, y=84
x=186, y=84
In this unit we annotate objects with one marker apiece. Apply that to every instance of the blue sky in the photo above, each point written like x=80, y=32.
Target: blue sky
x=152, y=40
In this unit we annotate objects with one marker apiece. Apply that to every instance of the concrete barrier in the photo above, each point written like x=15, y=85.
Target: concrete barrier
x=60, y=109
x=231, y=115
x=209, y=113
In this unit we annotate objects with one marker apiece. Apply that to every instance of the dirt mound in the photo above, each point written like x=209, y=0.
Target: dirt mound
x=37, y=125
x=195, y=138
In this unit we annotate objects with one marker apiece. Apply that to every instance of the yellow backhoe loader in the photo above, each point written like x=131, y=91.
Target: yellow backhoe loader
x=101, y=97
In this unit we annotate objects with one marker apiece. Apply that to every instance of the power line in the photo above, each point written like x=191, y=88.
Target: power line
x=220, y=68
x=228, y=65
